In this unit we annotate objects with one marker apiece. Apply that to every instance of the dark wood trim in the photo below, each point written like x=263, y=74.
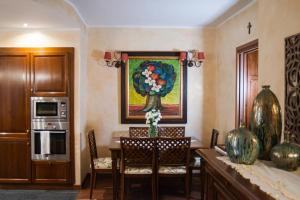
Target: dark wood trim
x=124, y=120
x=240, y=73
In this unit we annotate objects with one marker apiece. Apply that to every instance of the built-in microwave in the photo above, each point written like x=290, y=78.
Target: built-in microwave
x=49, y=108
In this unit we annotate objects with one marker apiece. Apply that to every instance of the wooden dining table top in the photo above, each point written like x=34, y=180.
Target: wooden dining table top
x=195, y=144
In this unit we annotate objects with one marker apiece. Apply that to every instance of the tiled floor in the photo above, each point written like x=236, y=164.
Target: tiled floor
x=169, y=190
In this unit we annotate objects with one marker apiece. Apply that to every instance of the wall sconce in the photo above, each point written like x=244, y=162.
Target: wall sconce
x=192, y=58
x=117, y=61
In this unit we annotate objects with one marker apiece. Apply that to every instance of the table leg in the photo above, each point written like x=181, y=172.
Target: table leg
x=114, y=158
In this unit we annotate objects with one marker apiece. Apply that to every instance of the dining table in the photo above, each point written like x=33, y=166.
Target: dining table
x=115, y=149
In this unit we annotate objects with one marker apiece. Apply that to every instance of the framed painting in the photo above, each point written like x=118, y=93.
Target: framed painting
x=153, y=80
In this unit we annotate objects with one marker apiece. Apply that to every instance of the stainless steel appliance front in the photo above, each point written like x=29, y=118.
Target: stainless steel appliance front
x=50, y=141
x=50, y=109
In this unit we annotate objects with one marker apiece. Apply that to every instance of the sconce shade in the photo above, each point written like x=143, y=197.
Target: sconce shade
x=124, y=57
x=201, y=56
x=182, y=55
x=107, y=56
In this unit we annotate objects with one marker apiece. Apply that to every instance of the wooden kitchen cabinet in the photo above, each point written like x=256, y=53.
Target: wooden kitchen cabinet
x=49, y=73
x=14, y=117
x=50, y=172
x=27, y=72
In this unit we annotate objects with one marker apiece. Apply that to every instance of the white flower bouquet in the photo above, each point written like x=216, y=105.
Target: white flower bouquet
x=152, y=118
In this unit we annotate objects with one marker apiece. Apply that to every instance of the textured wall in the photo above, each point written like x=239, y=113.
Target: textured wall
x=272, y=21
x=103, y=86
x=230, y=35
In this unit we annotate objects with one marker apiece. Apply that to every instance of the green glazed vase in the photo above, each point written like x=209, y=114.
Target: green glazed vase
x=265, y=121
x=242, y=146
x=286, y=155
x=153, y=131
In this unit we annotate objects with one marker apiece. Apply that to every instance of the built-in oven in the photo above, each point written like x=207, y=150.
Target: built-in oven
x=49, y=108
x=50, y=141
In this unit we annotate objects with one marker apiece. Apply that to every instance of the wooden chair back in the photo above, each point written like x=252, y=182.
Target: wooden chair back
x=214, y=138
x=174, y=151
x=173, y=132
x=138, y=132
x=137, y=152
x=93, y=147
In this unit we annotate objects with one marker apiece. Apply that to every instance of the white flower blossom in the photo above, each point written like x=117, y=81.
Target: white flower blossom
x=153, y=117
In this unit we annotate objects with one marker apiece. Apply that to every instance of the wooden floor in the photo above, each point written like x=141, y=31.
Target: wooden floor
x=169, y=190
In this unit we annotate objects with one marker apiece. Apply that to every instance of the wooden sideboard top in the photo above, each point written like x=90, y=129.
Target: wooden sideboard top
x=240, y=184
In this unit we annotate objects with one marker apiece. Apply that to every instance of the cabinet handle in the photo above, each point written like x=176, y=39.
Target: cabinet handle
x=27, y=131
x=31, y=89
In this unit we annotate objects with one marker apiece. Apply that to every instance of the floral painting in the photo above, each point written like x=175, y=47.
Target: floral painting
x=153, y=80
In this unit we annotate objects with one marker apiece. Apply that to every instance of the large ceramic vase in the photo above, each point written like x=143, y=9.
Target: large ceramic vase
x=286, y=155
x=242, y=146
x=266, y=121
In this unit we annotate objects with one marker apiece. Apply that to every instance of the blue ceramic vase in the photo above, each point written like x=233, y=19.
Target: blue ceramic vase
x=242, y=146
x=286, y=155
x=265, y=121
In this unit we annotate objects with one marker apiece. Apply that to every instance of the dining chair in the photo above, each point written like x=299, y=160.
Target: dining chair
x=174, y=159
x=176, y=131
x=137, y=132
x=98, y=165
x=138, y=160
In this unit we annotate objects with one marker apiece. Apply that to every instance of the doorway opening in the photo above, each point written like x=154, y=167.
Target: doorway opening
x=246, y=81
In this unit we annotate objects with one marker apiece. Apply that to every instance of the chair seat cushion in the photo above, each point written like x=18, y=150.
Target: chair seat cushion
x=138, y=170
x=172, y=170
x=103, y=163
x=197, y=162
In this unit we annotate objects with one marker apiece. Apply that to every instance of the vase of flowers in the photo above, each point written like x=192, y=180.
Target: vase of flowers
x=152, y=118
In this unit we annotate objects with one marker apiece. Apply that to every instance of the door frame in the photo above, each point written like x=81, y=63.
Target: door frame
x=241, y=82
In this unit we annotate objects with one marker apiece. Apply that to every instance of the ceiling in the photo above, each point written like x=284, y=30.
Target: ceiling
x=157, y=13
x=41, y=14
x=66, y=14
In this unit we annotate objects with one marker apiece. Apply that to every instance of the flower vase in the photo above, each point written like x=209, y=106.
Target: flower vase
x=153, y=131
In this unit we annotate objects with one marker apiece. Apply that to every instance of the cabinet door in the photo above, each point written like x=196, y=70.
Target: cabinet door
x=50, y=172
x=14, y=98
x=14, y=117
x=49, y=73
x=15, y=160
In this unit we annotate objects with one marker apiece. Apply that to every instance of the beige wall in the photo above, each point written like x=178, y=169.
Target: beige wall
x=55, y=39
x=272, y=21
x=230, y=35
x=277, y=20
x=103, y=86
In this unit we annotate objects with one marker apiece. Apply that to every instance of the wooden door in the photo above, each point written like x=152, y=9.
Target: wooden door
x=252, y=82
x=49, y=73
x=247, y=81
x=14, y=117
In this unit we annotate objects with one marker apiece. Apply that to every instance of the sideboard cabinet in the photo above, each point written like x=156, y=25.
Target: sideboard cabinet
x=221, y=182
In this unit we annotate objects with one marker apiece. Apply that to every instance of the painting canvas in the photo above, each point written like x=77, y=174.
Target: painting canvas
x=153, y=80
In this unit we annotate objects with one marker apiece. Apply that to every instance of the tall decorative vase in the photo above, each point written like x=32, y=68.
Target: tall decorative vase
x=266, y=122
